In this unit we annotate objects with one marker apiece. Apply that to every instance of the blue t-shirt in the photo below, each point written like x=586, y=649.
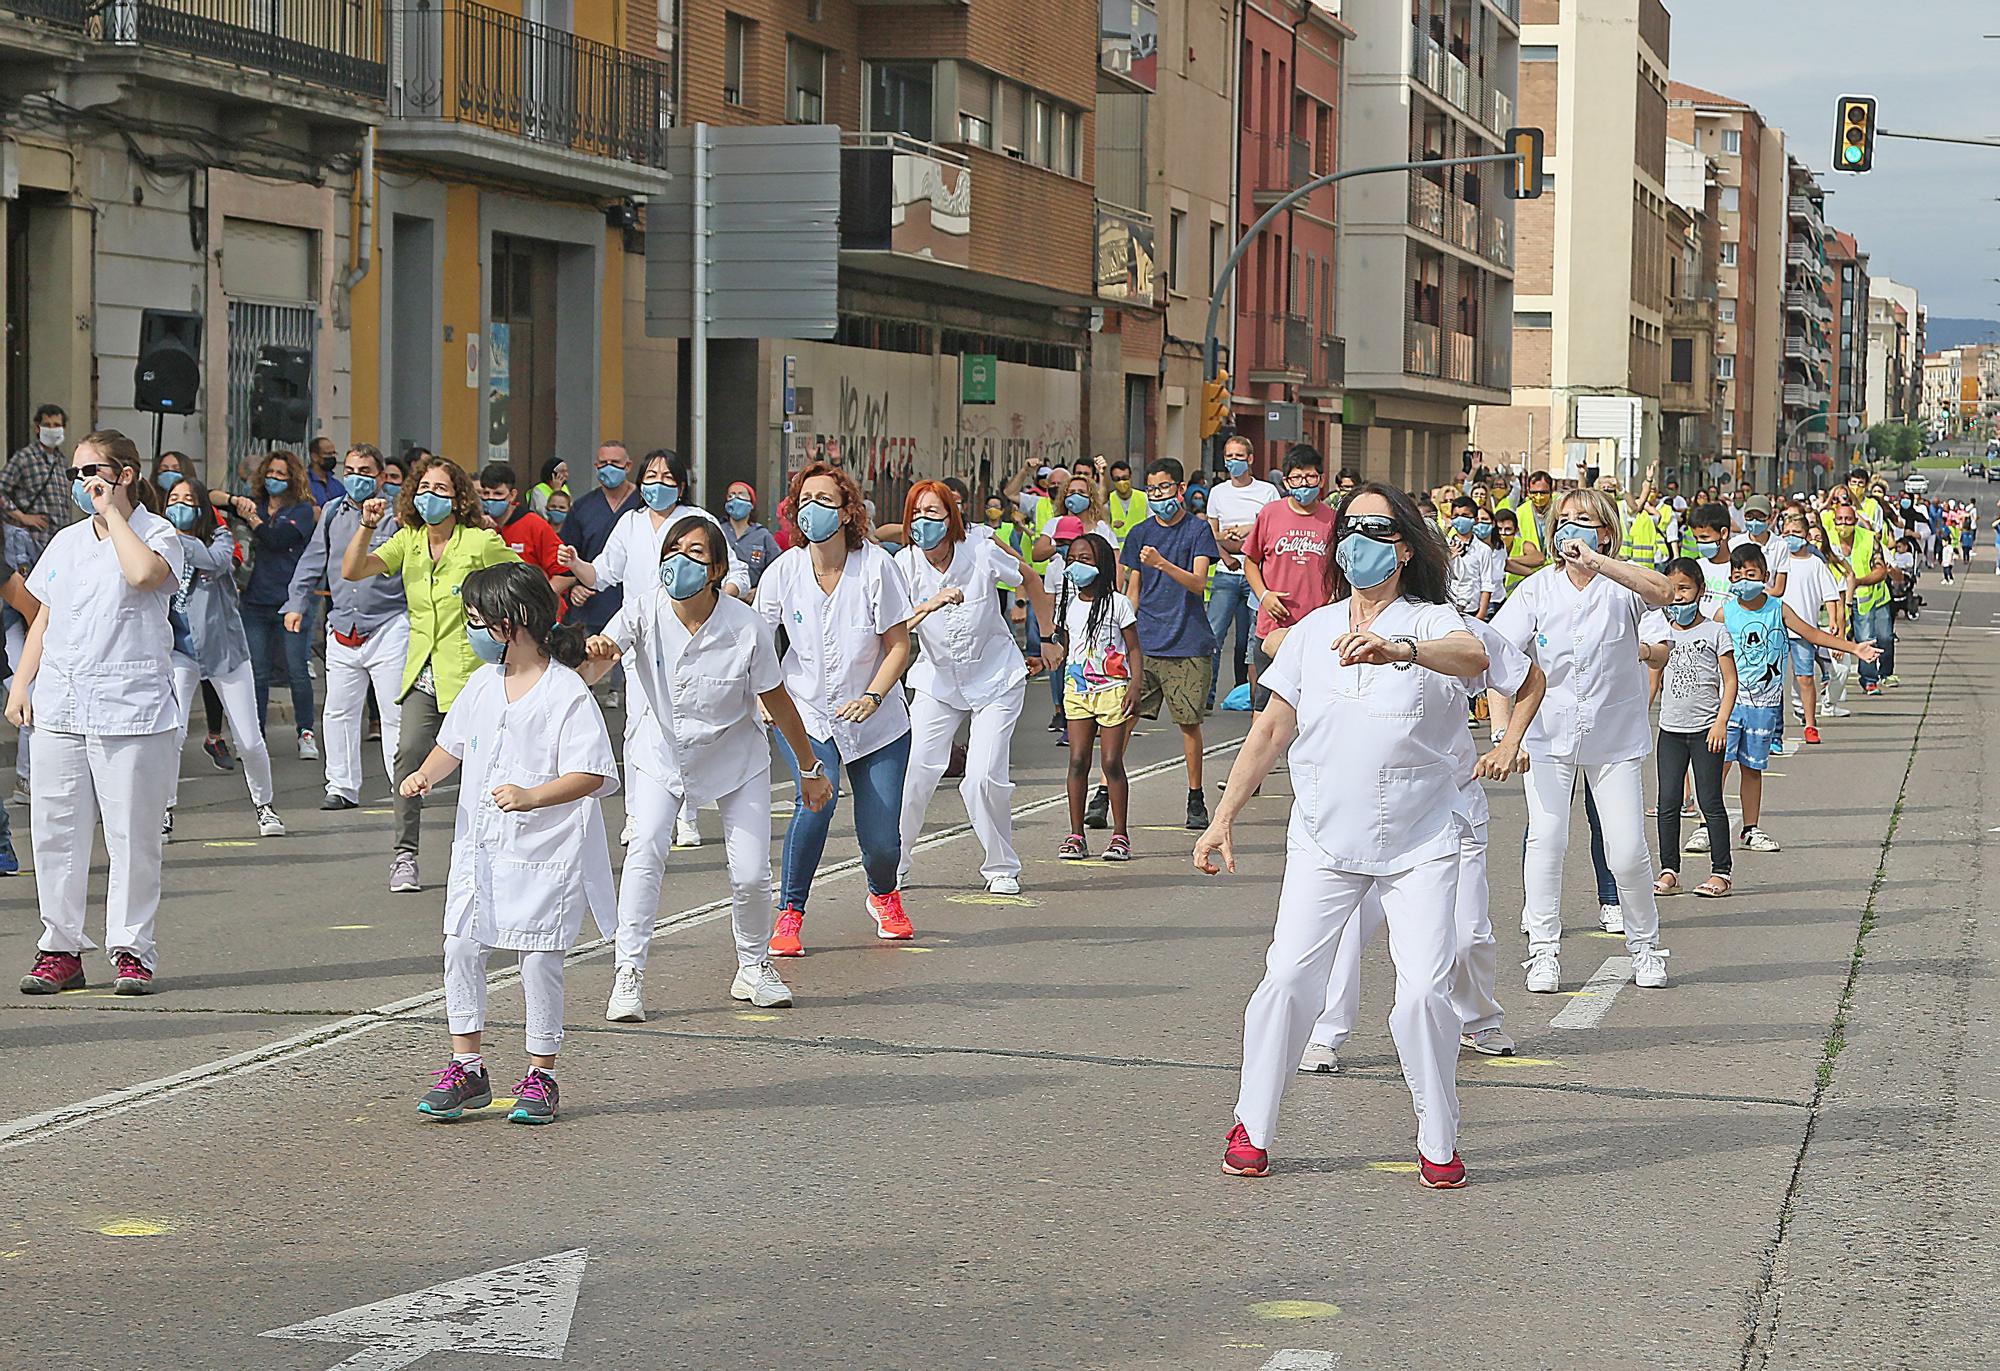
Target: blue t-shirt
x=1763, y=647
x=1173, y=621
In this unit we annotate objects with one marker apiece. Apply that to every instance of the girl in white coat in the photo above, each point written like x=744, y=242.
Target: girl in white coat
x=95, y=681
x=969, y=669
x=702, y=664
x=1369, y=692
x=529, y=853
x=216, y=649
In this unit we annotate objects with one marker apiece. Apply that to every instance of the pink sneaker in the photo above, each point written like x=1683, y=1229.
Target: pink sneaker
x=134, y=977
x=53, y=972
x=1242, y=1157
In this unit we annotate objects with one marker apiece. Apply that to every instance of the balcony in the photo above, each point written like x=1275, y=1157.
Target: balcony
x=1128, y=46
x=1802, y=254
x=1496, y=243
x=1280, y=164
x=1420, y=348
x=1797, y=347
x=1806, y=209
x=1457, y=82
x=212, y=47
x=1427, y=199
x=906, y=197
x=488, y=91
x=1280, y=346
x=1329, y=365
x=1427, y=59
x=1502, y=117
x=1459, y=355
x=1127, y=262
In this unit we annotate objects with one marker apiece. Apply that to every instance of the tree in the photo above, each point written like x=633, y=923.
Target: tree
x=1899, y=443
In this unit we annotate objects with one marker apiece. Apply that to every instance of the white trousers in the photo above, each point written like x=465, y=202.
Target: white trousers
x=1315, y=905
x=1475, y=952
x=541, y=981
x=988, y=788
x=350, y=671
x=1620, y=789
x=17, y=643
x=746, y=839
x=79, y=779
x=238, y=690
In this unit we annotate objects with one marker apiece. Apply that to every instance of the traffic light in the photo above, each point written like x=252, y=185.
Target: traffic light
x=1214, y=405
x=1854, y=133
x=1526, y=181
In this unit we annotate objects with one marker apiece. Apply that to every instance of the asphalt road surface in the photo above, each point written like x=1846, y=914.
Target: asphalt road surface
x=999, y=1145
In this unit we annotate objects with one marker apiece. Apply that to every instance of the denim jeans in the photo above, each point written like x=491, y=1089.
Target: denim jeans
x=1229, y=602
x=877, y=783
x=1877, y=626
x=265, y=627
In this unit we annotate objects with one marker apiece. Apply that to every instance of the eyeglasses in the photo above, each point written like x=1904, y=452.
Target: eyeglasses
x=108, y=470
x=1162, y=492
x=1380, y=527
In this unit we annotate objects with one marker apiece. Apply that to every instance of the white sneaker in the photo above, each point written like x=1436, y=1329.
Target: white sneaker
x=626, y=834
x=687, y=830
x=628, y=996
x=1490, y=1041
x=1697, y=840
x=1757, y=840
x=1835, y=712
x=1003, y=885
x=308, y=746
x=269, y=825
x=1319, y=1060
x=20, y=795
x=1611, y=918
x=1544, y=969
x=762, y=986
x=1649, y=968
x=167, y=827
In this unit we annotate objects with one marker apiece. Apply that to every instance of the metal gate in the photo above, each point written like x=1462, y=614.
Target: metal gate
x=253, y=325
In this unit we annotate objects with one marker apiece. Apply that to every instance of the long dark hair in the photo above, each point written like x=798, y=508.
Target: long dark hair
x=1107, y=572
x=205, y=522
x=718, y=550
x=1424, y=575
x=514, y=596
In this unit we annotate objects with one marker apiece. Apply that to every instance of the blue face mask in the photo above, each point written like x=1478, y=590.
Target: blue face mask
x=611, y=477
x=1167, y=510
x=818, y=522
x=168, y=480
x=390, y=493
x=1576, y=533
x=736, y=507
x=1684, y=615
x=1080, y=574
x=81, y=497
x=1307, y=496
x=659, y=496
x=494, y=508
x=1462, y=525
x=683, y=577
x=556, y=517
x=359, y=488
x=433, y=508
x=1076, y=504
x=1756, y=528
x=276, y=485
x=1746, y=590
x=1482, y=531
x=485, y=646
x=181, y=516
x=1235, y=466
x=928, y=533
x=1794, y=543
x=1707, y=550
x=1365, y=562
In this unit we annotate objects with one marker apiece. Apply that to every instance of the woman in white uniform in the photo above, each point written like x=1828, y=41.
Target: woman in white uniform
x=216, y=650
x=969, y=670
x=1369, y=692
x=1580, y=622
x=95, y=681
x=703, y=663
x=846, y=614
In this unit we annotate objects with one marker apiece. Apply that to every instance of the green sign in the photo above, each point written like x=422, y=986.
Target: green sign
x=979, y=378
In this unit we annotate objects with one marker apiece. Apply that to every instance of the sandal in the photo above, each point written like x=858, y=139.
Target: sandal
x=1668, y=884
x=1715, y=887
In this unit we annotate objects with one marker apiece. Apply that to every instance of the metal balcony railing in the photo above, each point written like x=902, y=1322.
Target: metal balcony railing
x=461, y=62
x=1283, y=162
x=1280, y=342
x=1420, y=348
x=1427, y=59
x=1496, y=242
x=335, y=43
x=67, y=14
x=1502, y=117
x=1427, y=199
x=1459, y=353
x=1330, y=363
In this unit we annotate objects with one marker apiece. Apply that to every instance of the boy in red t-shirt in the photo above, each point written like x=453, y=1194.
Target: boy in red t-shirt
x=531, y=537
x=1284, y=558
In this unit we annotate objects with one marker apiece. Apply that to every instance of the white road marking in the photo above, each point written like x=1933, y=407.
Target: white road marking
x=49, y=1122
x=523, y=1310
x=1589, y=1005
x=1302, y=1359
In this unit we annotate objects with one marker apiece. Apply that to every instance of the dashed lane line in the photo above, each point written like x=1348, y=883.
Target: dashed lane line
x=1589, y=1005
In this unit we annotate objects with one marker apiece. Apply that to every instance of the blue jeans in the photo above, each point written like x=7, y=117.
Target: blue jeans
x=877, y=783
x=1229, y=601
x=265, y=627
x=1877, y=626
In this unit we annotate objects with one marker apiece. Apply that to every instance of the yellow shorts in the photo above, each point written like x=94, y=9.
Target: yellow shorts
x=1104, y=707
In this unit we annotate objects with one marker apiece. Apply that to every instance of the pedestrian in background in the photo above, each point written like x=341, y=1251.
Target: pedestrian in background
x=35, y=485
x=755, y=546
x=281, y=516
x=527, y=534
x=1096, y=630
x=1232, y=508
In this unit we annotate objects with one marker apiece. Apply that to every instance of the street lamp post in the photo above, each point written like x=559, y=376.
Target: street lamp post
x=1785, y=448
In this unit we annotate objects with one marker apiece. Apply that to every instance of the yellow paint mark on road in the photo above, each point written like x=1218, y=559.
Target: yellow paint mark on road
x=1509, y=1063
x=347, y=928
x=501, y=1104
x=760, y=1018
x=135, y=1228
x=1600, y=933
x=918, y=949
x=983, y=898
x=8, y=1256
x=1295, y=1309
x=377, y=813
x=231, y=842
x=1393, y=1168
x=1579, y=994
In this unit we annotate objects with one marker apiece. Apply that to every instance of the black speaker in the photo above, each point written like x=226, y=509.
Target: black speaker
x=281, y=394
x=167, y=379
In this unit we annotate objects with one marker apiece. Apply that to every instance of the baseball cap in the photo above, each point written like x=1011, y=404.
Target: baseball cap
x=1757, y=504
x=1068, y=527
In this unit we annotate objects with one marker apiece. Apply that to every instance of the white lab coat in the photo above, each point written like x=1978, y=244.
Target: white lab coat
x=107, y=668
x=969, y=657
x=1586, y=640
x=836, y=642
x=632, y=552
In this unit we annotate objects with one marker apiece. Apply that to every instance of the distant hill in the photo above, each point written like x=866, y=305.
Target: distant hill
x=1952, y=333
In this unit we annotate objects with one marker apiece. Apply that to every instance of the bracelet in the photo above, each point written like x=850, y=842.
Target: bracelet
x=1405, y=666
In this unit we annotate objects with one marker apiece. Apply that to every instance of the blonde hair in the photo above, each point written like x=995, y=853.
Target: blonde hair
x=1598, y=506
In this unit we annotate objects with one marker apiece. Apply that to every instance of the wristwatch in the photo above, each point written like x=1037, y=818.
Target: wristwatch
x=871, y=695
x=816, y=772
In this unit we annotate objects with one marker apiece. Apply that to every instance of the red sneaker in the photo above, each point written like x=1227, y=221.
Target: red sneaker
x=891, y=923
x=1812, y=734
x=134, y=978
x=1242, y=1157
x=53, y=971
x=1450, y=1176
x=785, y=942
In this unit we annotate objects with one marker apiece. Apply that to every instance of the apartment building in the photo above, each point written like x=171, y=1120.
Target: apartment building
x=1888, y=329
x=1286, y=351
x=1809, y=329
x=1690, y=398
x=1847, y=297
x=1750, y=342
x=1905, y=401
x=1593, y=257
x=1425, y=274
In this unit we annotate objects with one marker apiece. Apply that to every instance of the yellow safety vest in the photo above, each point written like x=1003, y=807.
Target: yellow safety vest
x=1866, y=598
x=1009, y=536
x=1642, y=538
x=1127, y=511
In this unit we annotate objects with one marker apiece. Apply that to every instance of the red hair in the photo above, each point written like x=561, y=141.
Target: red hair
x=954, y=520
x=853, y=509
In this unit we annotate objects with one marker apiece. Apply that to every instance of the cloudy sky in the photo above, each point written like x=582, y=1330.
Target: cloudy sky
x=1927, y=213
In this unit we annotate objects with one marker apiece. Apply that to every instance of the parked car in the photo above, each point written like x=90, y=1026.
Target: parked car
x=1917, y=483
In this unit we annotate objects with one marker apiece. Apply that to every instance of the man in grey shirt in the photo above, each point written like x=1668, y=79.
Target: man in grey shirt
x=367, y=631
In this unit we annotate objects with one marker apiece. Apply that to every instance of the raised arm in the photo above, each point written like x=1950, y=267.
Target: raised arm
x=357, y=563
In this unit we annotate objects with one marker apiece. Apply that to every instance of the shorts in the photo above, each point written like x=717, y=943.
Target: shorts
x=1260, y=662
x=1105, y=707
x=1805, y=658
x=1753, y=731
x=1182, y=682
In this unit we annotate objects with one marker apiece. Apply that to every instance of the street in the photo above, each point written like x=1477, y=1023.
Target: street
x=997, y=1145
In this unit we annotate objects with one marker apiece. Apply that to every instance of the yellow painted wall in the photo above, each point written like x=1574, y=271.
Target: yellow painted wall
x=463, y=296
x=596, y=20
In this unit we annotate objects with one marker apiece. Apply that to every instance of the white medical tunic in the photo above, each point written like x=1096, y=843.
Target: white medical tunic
x=835, y=645
x=107, y=654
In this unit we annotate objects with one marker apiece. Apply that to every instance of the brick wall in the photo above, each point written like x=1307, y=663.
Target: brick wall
x=1031, y=224
x=1532, y=357
x=772, y=23
x=1535, y=244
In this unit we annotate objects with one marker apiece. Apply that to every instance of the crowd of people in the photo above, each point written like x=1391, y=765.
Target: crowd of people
x=1372, y=633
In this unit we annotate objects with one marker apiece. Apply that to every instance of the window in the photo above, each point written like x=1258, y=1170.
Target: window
x=1729, y=254
x=1041, y=118
x=1534, y=319
x=975, y=106
x=899, y=98
x=1732, y=142
x=1726, y=311
x=1536, y=52
x=1218, y=253
x=1065, y=154
x=735, y=43
x=1177, y=252
x=1725, y=366
x=1732, y=198
x=1312, y=286
x=1013, y=114
x=1728, y=424
x=805, y=83
x=1682, y=363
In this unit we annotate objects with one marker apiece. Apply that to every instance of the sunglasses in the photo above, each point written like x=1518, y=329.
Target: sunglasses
x=1380, y=527
x=108, y=470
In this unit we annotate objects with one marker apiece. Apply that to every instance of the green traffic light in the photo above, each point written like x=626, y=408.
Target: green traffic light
x=1853, y=154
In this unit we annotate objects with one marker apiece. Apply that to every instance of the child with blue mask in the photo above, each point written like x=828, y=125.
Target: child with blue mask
x=1693, y=664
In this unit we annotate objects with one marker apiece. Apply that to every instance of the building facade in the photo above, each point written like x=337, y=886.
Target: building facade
x=1690, y=398
x=1809, y=330
x=1904, y=400
x=1847, y=297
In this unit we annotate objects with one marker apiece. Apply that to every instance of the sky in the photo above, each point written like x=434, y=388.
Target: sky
x=1927, y=214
